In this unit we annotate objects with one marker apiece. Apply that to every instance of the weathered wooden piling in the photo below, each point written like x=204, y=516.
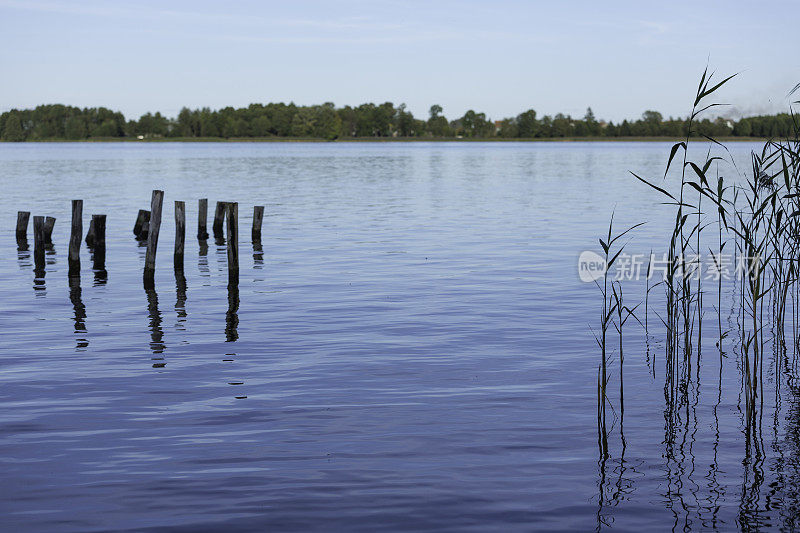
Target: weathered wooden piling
x=180, y=234
x=99, y=255
x=76, y=232
x=90, y=234
x=232, y=218
x=49, y=224
x=202, y=219
x=258, y=217
x=152, y=237
x=141, y=227
x=38, y=244
x=22, y=229
x=219, y=218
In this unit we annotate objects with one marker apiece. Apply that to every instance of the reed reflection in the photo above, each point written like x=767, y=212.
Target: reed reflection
x=157, y=345
x=232, y=315
x=79, y=313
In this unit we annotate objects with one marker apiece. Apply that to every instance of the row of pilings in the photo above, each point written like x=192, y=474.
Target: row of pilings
x=146, y=228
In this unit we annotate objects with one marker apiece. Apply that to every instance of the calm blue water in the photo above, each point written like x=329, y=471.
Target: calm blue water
x=412, y=350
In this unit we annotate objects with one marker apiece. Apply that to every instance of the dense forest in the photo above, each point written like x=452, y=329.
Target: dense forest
x=326, y=121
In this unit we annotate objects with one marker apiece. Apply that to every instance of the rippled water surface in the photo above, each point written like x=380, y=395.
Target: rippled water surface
x=411, y=349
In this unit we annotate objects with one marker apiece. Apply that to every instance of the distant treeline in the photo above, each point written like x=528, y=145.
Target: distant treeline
x=48, y=122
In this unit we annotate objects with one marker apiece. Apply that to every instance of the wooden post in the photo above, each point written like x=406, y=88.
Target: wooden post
x=22, y=229
x=219, y=217
x=152, y=237
x=38, y=244
x=76, y=232
x=141, y=226
x=90, y=234
x=49, y=224
x=258, y=217
x=180, y=234
x=232, y=216
x=99, y=223
x=202, y=219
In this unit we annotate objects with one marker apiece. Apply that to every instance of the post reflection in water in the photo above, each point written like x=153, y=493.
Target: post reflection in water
x=222, y=256
x=258, y=255
x=180, y=299
x=100, y=277
x=157, y=345
x=79, y=313
x=98, y=266
x=38, y=279
x=50, y=254
x=232, y=315
x=24, y=258
x=202, y=259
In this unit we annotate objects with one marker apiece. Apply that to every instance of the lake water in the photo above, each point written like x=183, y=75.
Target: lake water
x=412, y=350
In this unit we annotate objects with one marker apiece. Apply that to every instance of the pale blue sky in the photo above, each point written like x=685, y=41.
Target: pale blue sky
x=499, y=57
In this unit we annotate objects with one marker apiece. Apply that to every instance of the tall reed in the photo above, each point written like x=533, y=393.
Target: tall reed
x=762, y=219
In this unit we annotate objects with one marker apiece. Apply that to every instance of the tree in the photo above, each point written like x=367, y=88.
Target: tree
x=508, y=128
x=383, y=118
x=743, y=128
x=75, y=128
x=188, y=123
x=653, y=117
x=149, y=125
x=349, y=118
x=260, y=126
x=474, y=124
x=107, y=129
x=234, y=127
x=303, y=122
x=562, y=125
x=405, y=122
x=527, y=124
x=437, y=124
x=327, y=123
x=592, y=127
x=12, y=132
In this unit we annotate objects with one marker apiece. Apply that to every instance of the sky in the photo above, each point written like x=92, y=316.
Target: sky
x=499, y=57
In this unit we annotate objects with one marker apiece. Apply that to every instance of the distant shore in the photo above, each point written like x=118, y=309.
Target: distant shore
x=383, y=140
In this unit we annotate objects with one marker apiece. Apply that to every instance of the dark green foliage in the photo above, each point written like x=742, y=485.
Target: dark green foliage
x=75, y=128
x=367, y=120
x=12, y=129
x=61, y=122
